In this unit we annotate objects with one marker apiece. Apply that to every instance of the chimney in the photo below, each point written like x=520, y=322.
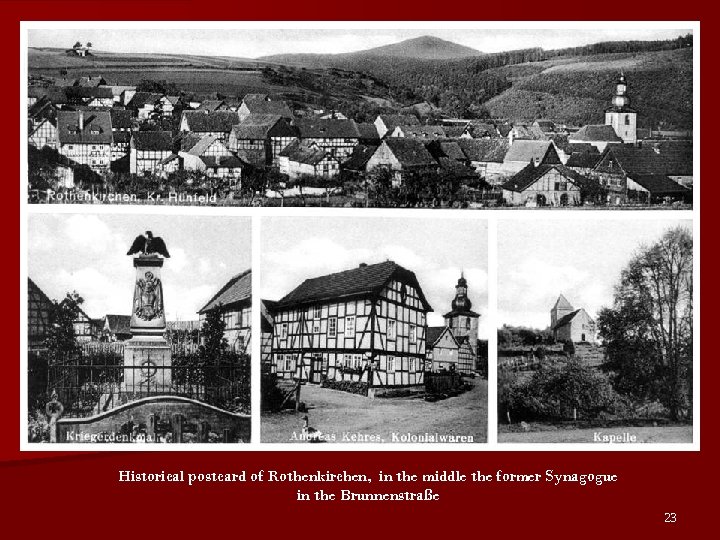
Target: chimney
x=81, y=120
x=363, y=265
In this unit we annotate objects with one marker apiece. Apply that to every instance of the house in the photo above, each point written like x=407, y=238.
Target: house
x=570, y=324
x=307, y=159
x=621, y=169
x=144, y=104
x=85, y=328
x=218, y=123
x=165, y=106
x=263, y=104
x=259, y=138
x=583, y=162
x=368, y=133
x=525, y=132
x=85, y=138
x=267, y=318
x=234, y=300
x=486, y=156
x=424, y=132
x=336, y=137
x=455, y=346
x=42, y=124
x=656, y=188
x=212, y=105
x=39, y=312
x=678, y=158
x=546, y=185
x=523, y=152
x=168, y=165
x=364, y=326
x=148, y=149
x=357, y=162
x=386, y=123
x=598, y=136
x=403, y=157
x=546, y=126
x=116, y=328
x=211, y=155
x=482, y=130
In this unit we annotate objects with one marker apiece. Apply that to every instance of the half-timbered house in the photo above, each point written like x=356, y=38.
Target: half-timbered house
x=364, y=326
x=218, y=123
x=546, y=185
x=85, y=138
x=307, y=159
x=148, y=149
x=42, y=124
x=402, y=156
x=234, y=300
x=259, y=138
x=337, y=137
x=263, y=104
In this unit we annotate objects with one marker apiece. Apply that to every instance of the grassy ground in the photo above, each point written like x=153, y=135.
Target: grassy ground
x=339, y=415
x=543, y=433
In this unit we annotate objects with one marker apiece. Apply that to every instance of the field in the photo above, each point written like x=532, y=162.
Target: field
x=552, y=434
x=336, y=413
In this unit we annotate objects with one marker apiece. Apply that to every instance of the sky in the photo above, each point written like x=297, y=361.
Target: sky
x=252, y=43
x=580, y=259
x=436, y=250
x=86, y=253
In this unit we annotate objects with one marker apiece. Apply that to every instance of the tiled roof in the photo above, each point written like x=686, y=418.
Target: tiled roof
x=256, y=126
x=88, y=92
x=299, y=152
x=121, y=119
x=527, y=151
x=211, y=105
x=529, y=132
x=359, y=158
x=583, y=160
x=531, y=174
x=97, y=128
x=152, y=140
x=433, y=333
x=327, y=129
x=635, y=161
x=140, y=99
x=211, y=122
x=367, y=131
x=422, y=132
x=392, y=121
x=364, y=281
x=235, y=291
x=566, y=319
x=562, y=303
x=657, y=184
x=595, y=133
x=262, y=104
x=484, y=150
x=410, y=152
x=222, y=162
x=202, y=144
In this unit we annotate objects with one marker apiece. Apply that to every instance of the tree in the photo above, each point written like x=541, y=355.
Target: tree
x=212, y=334
x=61, y=334
x=648, y=331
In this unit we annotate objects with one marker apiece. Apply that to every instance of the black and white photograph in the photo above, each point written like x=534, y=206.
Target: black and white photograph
x=139, y=329
x=358, y=117
x=595, y=331
x=374, y=330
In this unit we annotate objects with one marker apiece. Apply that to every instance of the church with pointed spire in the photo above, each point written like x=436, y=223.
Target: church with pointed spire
x=620, y=115
x=455, y=345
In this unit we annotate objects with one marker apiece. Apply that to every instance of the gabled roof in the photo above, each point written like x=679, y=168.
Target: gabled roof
x=89, y=92
x=262, y=104
x=532, y=173
x=368, y=131
x=200, y=145
x=545, y=125
x=482, y=129
x=568, y=318
x=485, y=150
x=223, y=162
x=330, y=128
x=391, y=121
x=527, y=151
x=42, y=109
x=121, y=118
x=256, y=126
x=237, y=290
x=678, y=156
x=529, y=132
x=301, y=152
x=152, y=140
x=595, y=133
x=359, y=158
x=96, y=127
x=410, y=152
x=364, y=281
x=455, y=131
x=118, y=324
x=422, y=132
x=583, y=160
x=634, y=161
x=211, y=122
x=456, y=167
x=140, y=99
x=434, y=333
x=658, y=184
x=211, y=105
x=121, y=137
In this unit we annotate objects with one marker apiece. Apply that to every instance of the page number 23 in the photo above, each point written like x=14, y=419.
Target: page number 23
x=670, y=517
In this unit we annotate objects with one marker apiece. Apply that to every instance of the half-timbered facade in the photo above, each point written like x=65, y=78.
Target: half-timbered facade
x=148, y=149
x=234, y=301
x=337, y=137
x=259, y=138
x=85, y=137
x=365, y=325
x=545, y=185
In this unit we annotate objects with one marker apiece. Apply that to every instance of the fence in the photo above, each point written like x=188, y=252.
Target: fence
x=442, y=382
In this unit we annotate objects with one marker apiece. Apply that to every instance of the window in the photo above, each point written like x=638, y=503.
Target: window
x=412, y=364
x=392, y=329
x=332, y=327
x=317, y=312
x=357, y=361
x=561, y=186
x=350, y=326
x=391, y=364
x=284, y=331
x=627, y=119
x=413, y=333
x=467, y=323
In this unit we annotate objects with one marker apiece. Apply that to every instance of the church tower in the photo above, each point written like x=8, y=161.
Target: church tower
x=621, y=116
x=561, y=308
x=462, y=320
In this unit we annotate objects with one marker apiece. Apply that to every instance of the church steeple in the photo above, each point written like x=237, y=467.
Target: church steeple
x=621, y=116
x=461, y=302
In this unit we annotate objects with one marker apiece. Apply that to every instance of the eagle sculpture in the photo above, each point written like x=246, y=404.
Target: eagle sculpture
x=148, y=244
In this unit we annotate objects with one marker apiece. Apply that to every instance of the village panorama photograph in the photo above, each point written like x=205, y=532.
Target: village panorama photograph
x=595, y=331
x=361, y=117
x=374, y=330
x=138, y=329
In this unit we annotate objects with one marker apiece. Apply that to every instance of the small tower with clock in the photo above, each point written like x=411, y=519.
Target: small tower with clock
x=462, y=320
x=621, y=116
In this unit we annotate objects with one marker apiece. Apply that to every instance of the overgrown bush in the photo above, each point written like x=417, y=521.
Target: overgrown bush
x=352, y=387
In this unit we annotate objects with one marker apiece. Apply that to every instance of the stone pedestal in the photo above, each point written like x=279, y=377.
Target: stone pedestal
x=147, y=354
